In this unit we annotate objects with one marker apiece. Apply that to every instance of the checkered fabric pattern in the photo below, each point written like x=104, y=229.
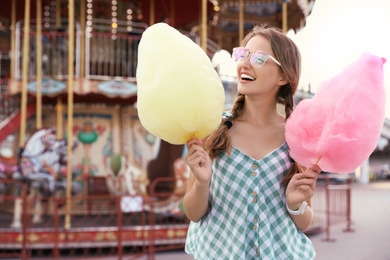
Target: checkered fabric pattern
x=248, y=218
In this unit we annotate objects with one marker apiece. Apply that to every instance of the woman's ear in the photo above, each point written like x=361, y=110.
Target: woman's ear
x=282, y=80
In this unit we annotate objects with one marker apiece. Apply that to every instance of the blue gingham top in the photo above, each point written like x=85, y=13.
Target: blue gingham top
x=247, y=217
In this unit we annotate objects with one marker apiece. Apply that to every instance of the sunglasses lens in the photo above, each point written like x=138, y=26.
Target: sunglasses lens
x=240, y=54
x=258, y=59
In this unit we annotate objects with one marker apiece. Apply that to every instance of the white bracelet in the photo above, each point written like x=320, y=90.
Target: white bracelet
x=300, y=211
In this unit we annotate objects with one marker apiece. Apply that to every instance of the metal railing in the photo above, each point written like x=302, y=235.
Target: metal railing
x=107, y=228
x=112, y=226
x=54, y=50
x=112, y=55
x=110, y=52
x=8, y=104
x=212, y=47
x=332, y=203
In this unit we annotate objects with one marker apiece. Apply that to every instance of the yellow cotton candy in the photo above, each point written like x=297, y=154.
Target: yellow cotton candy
x=180, y=94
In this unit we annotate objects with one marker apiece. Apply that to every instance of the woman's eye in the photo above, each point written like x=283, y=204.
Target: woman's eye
x=260, y=60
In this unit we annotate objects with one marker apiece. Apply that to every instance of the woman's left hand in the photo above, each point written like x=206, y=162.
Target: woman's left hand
x=302, y=186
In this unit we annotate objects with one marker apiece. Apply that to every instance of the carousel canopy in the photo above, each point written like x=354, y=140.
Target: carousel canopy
x=222, y=16
x=264, y=11
x=258, y=12
x=186, y=15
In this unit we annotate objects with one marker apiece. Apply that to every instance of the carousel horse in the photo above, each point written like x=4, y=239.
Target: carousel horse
x=43, y=166
x=8, y=171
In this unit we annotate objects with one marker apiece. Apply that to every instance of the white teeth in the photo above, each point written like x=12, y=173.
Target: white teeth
x=247, y=77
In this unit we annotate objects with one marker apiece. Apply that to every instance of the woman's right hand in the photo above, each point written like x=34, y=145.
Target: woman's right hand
x=199, y=161
x=196, y=199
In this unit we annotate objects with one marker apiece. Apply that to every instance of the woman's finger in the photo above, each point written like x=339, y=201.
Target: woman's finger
x=315, y=168
x=193, y=141
x=195, y=151
x=196, y=157
x=306, y=175
x=306, y=188
x=305, y=181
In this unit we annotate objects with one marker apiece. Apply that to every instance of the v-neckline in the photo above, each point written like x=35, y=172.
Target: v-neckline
x=265, y=157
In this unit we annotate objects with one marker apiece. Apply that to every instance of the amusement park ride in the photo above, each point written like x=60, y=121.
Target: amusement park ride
x=72, y=75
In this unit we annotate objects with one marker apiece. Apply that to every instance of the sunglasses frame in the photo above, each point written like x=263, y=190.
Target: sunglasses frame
x=250, y=53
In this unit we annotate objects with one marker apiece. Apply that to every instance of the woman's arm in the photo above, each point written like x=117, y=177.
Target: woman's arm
x=301, y=188
x=302, y=222
x=196, y=199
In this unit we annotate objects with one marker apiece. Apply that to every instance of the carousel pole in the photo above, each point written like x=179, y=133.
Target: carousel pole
x=203, y=26
x=59, y=107
x=82, y=38
x=26, y=39
x=284, y=16
x=39, y=65
x=13, y=24
x=58, y=13
x=59, y=119
x=70, y=114
x=241, y=21
x=151, y=11
x=19, y=204
x=172, y=15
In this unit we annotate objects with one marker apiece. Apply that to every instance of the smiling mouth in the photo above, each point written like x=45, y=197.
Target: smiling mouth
x=247, y=77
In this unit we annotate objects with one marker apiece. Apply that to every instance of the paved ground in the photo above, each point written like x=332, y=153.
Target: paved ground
x=371, y=224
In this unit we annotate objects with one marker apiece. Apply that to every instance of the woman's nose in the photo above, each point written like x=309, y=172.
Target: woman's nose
x=247, y=62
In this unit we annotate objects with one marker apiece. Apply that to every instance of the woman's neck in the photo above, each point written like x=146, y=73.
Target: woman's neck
x=261, y=111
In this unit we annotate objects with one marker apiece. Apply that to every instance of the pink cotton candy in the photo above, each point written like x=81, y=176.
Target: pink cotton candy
x=341, y=125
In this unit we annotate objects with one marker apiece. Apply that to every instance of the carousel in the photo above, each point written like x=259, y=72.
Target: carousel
x=73, y=152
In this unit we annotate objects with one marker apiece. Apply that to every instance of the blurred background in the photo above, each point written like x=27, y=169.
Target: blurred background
x=79, y=174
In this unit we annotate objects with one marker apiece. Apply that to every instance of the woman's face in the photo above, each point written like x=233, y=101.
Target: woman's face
x=259, y=80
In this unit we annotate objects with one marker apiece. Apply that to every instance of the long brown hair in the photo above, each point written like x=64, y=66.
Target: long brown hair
x=287, y=53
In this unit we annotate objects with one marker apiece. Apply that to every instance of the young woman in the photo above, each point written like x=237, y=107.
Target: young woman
x=246, y=198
